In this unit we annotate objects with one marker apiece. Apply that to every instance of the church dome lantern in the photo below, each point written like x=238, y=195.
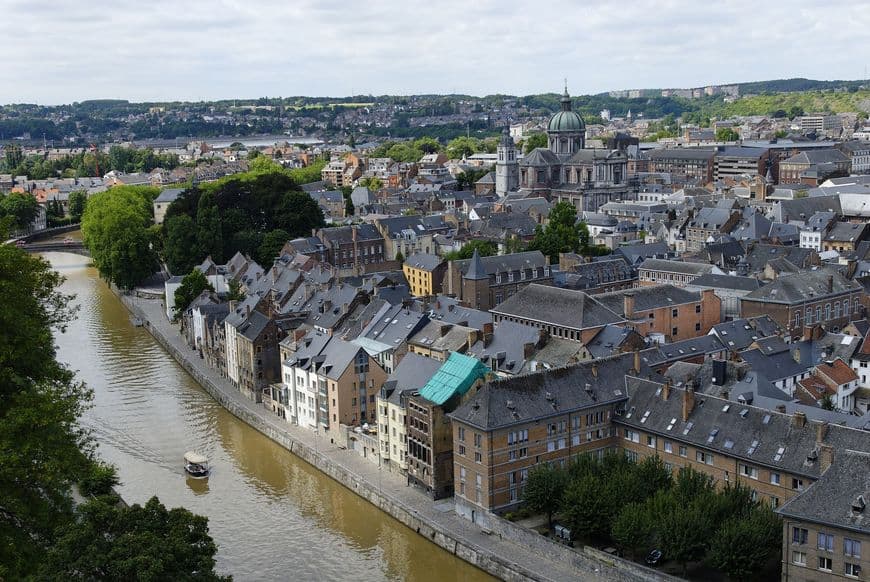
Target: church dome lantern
x=566, y=131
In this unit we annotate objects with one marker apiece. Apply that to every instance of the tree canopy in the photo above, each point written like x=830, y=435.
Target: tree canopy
x=535, y=140
x=484, y=248
x=238, y=214
x=20, y=208
x=115, y=228
x=44, y=451
x=192, y=285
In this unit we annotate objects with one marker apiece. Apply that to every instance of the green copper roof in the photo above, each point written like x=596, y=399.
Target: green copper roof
x=566, y=121
x=454, y=377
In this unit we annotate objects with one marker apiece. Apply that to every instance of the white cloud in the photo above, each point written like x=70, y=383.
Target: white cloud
x=61, y=51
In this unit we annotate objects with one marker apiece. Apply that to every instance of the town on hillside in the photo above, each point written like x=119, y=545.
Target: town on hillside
x=473, y=312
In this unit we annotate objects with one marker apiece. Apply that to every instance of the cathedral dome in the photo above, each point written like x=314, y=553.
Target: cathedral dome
x=566, y=120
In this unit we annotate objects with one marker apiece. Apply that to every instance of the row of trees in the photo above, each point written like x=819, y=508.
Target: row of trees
x=45, y=451
x=117, y=229
x=641, y=506
x=254, y=213
x=86, y=163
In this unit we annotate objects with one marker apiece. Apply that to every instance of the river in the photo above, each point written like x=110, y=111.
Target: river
x=273, y=516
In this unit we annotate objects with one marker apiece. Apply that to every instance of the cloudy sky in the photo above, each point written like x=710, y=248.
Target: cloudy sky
x=59, y=51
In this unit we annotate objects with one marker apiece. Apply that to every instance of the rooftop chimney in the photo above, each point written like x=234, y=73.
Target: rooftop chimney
x=780, y=408
x=248, y=310
x=821, y=431
x=594, y=370
x=826, y=457
x=487, y=334
x=528, y=349
x=799, y=419
x=688, y=402
x=628, y=304
x=666, y=390
x=637, y=361
x=830, y=283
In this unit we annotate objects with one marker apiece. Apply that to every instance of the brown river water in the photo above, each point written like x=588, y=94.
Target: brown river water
x=273, y=516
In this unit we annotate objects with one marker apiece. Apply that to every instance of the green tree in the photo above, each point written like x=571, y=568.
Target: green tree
x=115, y=227
x=235, y=292
x=192, y=285
x=535, y=140
x=562, y=234
x=99, y=480
x=685, y=531
x=271, y=246
x=634, y=529
x=77, y=202
x=373, y=183
x=744, y=546
x=544, y=489
x=485, y=248
x=727, y=134
x=108, y=542
x=826, y=402
x=400, y=258
x=465, y=180
x=21, y=208
x=209, y=231
x=795, y=111
x=462, y=147
x=180, y=246
x=427, y=145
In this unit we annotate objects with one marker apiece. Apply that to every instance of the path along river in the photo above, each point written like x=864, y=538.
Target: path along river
x=272, y=515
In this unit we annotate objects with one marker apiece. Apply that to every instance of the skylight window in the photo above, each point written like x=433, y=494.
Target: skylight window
x=766, y=419
x=729, y=444
x=644, y=417
x=752, y=447
x=726, y=408
x=630, y=412
x=713, y=434
x=778, y=455
x=744, y=413
x=672, y=423
x=688, y=427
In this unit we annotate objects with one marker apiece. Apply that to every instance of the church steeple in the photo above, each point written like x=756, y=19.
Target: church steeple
x=507, y=171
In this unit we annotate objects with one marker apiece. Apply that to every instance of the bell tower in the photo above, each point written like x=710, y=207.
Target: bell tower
x=507, y=168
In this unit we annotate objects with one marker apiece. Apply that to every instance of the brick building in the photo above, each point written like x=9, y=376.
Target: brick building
x=694, y=164
x=484, y=282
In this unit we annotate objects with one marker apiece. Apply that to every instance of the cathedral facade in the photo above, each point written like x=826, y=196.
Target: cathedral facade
x=565, y=170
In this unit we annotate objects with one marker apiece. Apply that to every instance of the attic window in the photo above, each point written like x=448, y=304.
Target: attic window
x=726, y=408
x=778, y=455
x=752, y=447
x=713, y=434
x=672, y=423
x=744, y=413
x=644, y=417
x=729, y=444
x=630, y=412
x=766, y=419
x=688, y=427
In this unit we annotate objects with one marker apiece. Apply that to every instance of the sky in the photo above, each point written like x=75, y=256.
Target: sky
x=61, y=51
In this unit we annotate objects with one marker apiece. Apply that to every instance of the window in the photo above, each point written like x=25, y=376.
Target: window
x=632, y=436
x=478, y=458
x=674, y=331
x=462, y=434
x=631, y=456
x=826, y=542
x=747, y=471
x=462, y=450
x=774, y=478
x=799, y=535
x=651, y=441
x=825, y=564
x=797, y=484
x=669, y=447
x=674, y=312
x=697, y=327
x=478, y=439
x=684, y=452
x=799, y=558
x=853, y=570
x=774, y=502
x=703, y=457
x=851, y=548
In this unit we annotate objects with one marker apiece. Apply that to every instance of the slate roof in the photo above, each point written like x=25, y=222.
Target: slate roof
x=681, y=154
x=740, y=333
x=757, y=255
x=681, y=267
x=254, y=326
x=424, y=262
x=712, y=281
x=540, y=157
x=791, y=289
x=520, y=399
x=648, y=298
x=635, y=254
x=846, y=232
x=169, y=195
x=448, y=309
x=390, y=327
x=681, y=350
x=453, y=378
x=833, y=499
x=825, y=156
x=410, y=375
x=555, y=306
x=751, y=434
x=508, y=338
x=505, y=263
x=607, y=340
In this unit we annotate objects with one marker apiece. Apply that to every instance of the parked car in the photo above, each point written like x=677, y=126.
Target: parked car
x=68, y=241
x=654, y=558
x=20, y=243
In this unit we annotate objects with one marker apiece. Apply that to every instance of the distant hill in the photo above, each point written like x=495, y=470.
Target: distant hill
x=799, y=84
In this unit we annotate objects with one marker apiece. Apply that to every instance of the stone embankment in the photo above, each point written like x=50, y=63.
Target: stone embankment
x=504, y=552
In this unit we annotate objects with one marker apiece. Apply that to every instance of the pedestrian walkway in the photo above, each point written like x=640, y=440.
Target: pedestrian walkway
x=389, y=485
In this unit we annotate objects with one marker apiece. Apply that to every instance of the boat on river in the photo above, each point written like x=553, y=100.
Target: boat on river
x=196, y=465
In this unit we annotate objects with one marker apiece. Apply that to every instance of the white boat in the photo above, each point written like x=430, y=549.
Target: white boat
x=196, y=465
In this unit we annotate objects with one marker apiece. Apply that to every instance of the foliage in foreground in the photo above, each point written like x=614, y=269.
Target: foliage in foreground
x=44, y=452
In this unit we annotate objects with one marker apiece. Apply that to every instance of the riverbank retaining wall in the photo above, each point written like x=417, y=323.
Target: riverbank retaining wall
x=612, y=567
